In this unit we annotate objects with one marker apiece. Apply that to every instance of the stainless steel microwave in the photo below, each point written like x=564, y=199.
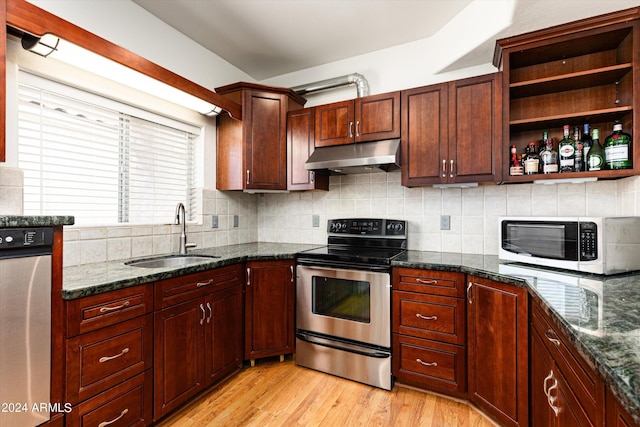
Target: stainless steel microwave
x=599, y=245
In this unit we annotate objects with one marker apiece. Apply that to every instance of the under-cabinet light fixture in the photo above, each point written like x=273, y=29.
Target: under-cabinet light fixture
x=84, y=59
x=460, y=185
x=566, y=180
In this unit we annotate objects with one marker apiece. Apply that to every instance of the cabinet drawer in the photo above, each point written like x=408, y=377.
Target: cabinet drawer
x=429, y=282
x=97, y=311
x=103, y=358
x=181, y=289
x=127, y=404
x=583, y=381
x=429, y=364
x=429, y=316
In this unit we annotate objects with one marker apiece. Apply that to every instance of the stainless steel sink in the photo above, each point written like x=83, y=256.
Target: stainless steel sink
x=167, y=261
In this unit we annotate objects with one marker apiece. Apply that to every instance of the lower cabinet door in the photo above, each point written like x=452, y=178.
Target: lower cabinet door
x=429, y=364
x=224, y=338
x=127, y=404
x=179, y=355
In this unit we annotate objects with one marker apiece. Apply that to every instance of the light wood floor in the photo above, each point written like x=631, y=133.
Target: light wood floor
x=277, y=393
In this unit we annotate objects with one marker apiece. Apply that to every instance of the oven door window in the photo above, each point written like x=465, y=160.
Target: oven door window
x=341, y=298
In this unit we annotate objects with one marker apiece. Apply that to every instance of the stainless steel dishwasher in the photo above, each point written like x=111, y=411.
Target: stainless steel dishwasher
x=25, y=326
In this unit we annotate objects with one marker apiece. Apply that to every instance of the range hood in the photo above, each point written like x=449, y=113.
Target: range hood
x=365, y=157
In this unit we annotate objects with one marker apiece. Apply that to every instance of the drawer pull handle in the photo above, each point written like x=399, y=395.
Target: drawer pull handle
x=107, y=358
x=427, y=363
x=207, y=283
x=106, y=423
x=117, y=307
x=549, y=334
x=427, y=282
x=420, y=316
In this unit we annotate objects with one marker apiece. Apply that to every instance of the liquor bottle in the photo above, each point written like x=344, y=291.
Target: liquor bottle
x=595, y=159
x=515, y=167
x=531, y=159
x=566, y=152
x=577, y=166
x=549, y=156
x=586, y=145
x=617, y=149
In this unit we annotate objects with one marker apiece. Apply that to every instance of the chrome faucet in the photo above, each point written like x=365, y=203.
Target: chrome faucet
x=182, y=220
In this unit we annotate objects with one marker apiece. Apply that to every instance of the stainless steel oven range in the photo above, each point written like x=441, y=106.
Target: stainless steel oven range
x=343, y=300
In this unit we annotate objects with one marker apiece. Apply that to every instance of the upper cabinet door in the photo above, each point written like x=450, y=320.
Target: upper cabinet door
x=334, y=124
x=424, y=135
x=300, y=145
x=475, y=129
x=266, y=141
x=377, y=117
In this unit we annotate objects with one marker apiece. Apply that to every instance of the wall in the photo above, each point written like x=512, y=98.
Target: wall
x=473, y=212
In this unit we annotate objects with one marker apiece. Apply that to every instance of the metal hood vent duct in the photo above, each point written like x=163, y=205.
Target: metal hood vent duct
x=362, y=85
x=356, y=158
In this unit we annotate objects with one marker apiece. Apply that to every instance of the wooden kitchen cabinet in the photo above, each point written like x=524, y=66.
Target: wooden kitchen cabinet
x=452, y=132
x=580, y=72
x=617, y=416
x=269, y=309
x=497, y=346
x=198, y=334
x=370, y=118
x=564, y=389
x=429, y=330
x=252, y=153
x=300, y=144
x=109, y=358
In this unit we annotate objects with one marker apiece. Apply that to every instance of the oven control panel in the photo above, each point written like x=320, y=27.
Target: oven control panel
x=367, y=227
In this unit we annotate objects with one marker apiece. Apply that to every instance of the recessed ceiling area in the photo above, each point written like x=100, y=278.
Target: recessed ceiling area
x=269, y=38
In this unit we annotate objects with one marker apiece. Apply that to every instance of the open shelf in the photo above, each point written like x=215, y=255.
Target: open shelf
x=572, y=81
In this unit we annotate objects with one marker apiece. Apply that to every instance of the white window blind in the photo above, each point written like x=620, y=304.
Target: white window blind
x=100, y=164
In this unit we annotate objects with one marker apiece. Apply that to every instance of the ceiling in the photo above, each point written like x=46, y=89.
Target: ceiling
x=269, y=38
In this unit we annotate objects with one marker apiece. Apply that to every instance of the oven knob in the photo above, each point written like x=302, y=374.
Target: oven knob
x=398, y=226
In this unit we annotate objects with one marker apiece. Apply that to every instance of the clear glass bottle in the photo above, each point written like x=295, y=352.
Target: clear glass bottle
x=595, y=159
x=549, y=156
x=531, y=159
x=586, y=145
x=515, y=167
x=617, y=149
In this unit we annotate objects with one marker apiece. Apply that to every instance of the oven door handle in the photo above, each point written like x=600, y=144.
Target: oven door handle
x=320, y=263
x=342, y=346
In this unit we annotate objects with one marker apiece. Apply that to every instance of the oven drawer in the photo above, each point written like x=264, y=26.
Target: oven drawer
x=429, y=364
x=444, y=283
x=429, y=316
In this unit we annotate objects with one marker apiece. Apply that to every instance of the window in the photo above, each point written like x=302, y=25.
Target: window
x=104, y=162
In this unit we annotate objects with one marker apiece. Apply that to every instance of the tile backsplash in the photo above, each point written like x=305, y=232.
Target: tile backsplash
x=288, y=217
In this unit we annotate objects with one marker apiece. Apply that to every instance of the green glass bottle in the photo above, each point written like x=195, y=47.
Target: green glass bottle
x=595, y=158
x=617, y=149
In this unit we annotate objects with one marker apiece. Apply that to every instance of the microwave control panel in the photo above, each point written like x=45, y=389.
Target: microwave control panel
x=588, y=241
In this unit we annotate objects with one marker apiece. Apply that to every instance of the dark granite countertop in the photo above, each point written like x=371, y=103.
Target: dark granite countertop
x=608, y=340
x=90, y=279
x=34, y=221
